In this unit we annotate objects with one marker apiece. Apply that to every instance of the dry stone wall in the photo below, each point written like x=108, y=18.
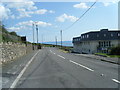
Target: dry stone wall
x=10, y=51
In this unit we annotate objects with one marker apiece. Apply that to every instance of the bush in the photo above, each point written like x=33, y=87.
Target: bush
x=13, y=33
x=115, y=51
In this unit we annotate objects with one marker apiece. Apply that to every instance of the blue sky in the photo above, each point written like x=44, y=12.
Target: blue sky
x=55, y=16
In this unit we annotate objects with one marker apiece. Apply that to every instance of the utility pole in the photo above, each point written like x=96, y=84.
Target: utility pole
x=61, y=38
x=37, y=32
x=33, y=36
x=56, y=40
x=42, y=38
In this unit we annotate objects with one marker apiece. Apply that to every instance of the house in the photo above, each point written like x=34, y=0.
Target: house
x=96, y=41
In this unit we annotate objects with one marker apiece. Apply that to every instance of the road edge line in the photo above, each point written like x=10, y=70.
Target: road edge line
x=22, y=72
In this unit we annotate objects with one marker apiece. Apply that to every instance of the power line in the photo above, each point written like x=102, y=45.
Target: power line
x=81, y=16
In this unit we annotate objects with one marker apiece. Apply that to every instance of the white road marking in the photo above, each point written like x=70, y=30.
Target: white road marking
x=50, y=51
x=81, y=65
x=61, y=56
x=8, y=72
x=116, y=81
x=14, y=73
x=22, y=72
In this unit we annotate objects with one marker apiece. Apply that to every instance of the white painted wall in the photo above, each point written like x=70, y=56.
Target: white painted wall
x=90, y=46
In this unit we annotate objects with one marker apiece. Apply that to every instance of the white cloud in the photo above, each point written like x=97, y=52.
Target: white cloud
x=28, y=5
x=29, y=23
x=23, y=13
x=41, y=11
x=109, y=3
x=4, y=12
x=51, y=11
x=14, y=29
x=59, y=0
x=81, y=5
x=21, y=8
x=64, y=17
x=44, y=24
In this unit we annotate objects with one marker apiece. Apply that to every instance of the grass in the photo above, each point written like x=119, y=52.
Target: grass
x=106, y=55
x=0, y=38
x=65, y=49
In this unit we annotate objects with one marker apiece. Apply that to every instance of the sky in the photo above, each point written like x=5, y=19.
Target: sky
x=51, y=17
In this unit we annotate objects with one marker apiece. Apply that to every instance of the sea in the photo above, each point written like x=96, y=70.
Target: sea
x=64, y=43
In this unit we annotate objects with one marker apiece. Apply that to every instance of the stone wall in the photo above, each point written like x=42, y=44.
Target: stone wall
x=10, y=51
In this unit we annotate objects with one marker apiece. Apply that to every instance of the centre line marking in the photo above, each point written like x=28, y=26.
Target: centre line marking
x=61, y=56
x=52, y=52
x=81, y=65
x=22, y=72
x=116, y=81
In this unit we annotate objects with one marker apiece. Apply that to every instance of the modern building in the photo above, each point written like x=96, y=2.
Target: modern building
x=96, y=41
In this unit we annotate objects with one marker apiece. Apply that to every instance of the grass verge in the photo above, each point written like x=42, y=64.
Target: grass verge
x=107, y=55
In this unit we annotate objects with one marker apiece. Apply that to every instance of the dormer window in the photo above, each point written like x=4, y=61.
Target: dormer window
x=104, y=35
x=97, y=35
x=111, y=35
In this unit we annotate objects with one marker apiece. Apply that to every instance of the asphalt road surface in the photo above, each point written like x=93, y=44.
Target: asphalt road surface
x=52, y=68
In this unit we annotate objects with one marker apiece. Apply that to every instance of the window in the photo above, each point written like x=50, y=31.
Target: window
x=118, y=34
x=111, y=35
x=83, y=36
x=87, y=35
x=104, y=35
x=109, y=43
x=97, y=35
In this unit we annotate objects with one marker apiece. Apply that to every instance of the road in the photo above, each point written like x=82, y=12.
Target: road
x=52, y=68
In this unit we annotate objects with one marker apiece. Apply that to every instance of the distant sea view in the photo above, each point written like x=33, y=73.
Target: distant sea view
x=64, y=43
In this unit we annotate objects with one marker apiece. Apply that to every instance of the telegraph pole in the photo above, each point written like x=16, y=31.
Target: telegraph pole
x=33, y=36
x=42, y=38
x=61, y=38
x=37, y=32
x=56, y=40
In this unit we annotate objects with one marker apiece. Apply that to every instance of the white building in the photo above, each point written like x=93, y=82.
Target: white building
x=96, y=41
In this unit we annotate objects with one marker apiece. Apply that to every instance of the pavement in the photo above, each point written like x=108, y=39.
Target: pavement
x=52, y=68
x=114, y=60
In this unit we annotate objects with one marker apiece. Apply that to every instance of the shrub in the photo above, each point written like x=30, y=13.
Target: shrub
x=115, y=51
x=13, y=33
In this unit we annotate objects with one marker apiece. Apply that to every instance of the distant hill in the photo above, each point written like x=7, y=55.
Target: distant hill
x=6, y=36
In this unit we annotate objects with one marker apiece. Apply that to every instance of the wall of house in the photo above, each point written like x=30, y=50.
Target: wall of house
x=90, y=46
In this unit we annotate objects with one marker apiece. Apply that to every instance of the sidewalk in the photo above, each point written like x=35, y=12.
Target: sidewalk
x=106, y=59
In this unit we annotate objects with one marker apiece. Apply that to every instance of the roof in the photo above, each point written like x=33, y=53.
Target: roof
x=103, y=34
